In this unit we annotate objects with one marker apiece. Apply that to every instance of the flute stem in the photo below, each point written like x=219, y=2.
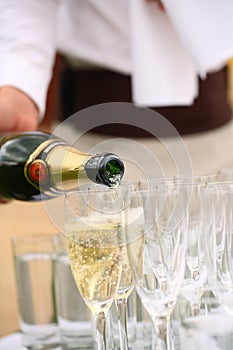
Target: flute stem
x=121, y=305
x=100, y=321
x=164, y=339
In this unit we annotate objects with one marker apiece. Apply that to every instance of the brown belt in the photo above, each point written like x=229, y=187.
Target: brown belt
x=85, y=88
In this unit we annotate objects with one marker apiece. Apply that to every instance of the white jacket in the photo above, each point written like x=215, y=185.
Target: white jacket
x=163, y=51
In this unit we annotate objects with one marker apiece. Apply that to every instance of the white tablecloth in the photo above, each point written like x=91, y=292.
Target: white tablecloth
x=13, y=342
x=10, y=342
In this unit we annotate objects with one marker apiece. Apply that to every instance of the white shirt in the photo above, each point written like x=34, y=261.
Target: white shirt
x=163, y=51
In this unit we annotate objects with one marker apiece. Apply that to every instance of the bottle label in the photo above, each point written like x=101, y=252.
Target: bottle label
x=36, y=170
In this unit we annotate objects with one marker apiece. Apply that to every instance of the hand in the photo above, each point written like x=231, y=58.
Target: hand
x=17, y=111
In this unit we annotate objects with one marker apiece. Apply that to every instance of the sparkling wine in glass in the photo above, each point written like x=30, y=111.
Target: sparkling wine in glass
x=93, y=226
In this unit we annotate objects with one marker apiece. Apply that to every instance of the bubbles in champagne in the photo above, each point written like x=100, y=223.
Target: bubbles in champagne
x=96, y=263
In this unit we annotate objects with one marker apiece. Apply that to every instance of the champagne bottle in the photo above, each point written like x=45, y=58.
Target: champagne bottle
x=36, y=165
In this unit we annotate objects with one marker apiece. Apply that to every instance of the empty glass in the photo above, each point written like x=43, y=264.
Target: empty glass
x=195, y=276
x=156, y=244
x=218, y=211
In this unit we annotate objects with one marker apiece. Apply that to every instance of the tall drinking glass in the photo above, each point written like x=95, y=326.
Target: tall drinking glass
x=93, y=227
x=218, y=210
x=34, y=269
x=158, y=266
x=195, y=277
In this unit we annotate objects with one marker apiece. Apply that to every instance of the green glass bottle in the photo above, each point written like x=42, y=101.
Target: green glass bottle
x=36, y=165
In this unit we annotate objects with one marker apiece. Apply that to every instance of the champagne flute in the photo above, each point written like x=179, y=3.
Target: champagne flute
x=126, y=284
x=132, y=221
x=92, y=227
x=218, y=210
x=159, y=268
x=195, y=276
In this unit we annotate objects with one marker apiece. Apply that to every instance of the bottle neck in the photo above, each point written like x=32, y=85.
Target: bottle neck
x=105, y=168
x=66, y=168
x=56, y=167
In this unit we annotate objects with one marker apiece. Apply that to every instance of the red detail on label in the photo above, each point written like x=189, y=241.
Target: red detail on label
x=38, y=171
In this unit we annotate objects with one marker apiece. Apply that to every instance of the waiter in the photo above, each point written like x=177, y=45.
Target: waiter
x=166, y=55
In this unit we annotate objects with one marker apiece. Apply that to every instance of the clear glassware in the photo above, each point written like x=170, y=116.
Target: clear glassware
x=156, y=246
x=93, y=226
x=218, y=211
x=195, y=276
x=126, y=284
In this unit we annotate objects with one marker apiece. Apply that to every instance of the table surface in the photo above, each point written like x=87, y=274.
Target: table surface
x=11, y=342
